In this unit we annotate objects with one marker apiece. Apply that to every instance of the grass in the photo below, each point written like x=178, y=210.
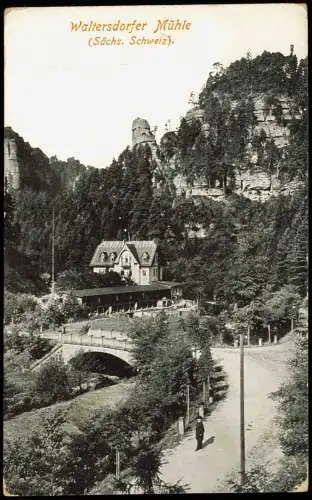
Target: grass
x=16, y=369
x=79, y=409
x=115, y=323
x=119, y=323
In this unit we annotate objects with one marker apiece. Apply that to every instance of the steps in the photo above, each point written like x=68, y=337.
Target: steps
x=47, y=356
x=218, y=381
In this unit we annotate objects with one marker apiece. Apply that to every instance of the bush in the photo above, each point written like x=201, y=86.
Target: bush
x=51, y=382
x=39, y=347
x=53, y=315
x=16, y=305
x=72, y=309
x=19, y=403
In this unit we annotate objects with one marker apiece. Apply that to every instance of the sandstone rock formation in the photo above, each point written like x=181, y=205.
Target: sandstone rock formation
x=195, y=113
x=141, y=133
x=256, y=184
x=11, y=167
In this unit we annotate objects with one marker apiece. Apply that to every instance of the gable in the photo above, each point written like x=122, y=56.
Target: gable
x=126, y=256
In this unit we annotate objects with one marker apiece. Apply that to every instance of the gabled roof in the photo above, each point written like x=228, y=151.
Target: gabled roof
x=139, y=249
x=132, y=249
x=108, y=247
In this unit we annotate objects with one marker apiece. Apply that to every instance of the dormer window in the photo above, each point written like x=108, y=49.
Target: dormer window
x=113, y=257
x=103, y=256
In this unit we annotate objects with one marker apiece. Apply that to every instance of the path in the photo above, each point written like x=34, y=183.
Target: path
x=205, y=471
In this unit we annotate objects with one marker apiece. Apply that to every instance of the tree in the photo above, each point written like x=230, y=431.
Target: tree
x=292, y=400
x=280, y=305
x=11, y=228
x=40, y=463
x=145, y=345
x=146, y=466
x=16, y=305
x=72, y=309
x=144, y=472
x=53, y=314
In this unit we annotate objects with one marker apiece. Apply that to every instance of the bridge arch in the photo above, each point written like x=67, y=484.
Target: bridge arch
x=68, y=351
x=101, y=362
x=71, y=350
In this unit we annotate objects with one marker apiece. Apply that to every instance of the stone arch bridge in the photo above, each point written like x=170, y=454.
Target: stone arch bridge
x=69, y=346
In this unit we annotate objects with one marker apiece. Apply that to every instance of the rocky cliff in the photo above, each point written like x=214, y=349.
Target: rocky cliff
x=272, y=119
x=28, y=167
x=11, y=166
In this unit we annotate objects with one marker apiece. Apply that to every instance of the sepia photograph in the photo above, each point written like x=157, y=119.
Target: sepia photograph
x=155, y=294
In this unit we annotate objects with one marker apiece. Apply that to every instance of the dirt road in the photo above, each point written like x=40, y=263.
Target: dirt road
x=206, y=470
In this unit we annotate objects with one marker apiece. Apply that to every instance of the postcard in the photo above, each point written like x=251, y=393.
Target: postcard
x=155, y=249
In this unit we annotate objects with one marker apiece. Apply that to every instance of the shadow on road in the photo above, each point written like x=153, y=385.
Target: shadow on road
x=208, y=441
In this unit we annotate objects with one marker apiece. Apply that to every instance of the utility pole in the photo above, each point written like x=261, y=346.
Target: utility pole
x=198, y=298
x=53, y=236
x=293, y=314
x=117, y=463
x=187, y=404
x=242, y=412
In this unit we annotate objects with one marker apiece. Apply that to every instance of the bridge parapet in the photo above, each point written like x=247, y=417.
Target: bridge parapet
x=91, y=340
x=96, y=341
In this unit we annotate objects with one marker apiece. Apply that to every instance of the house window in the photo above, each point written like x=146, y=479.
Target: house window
x=144, y=272
x=145, y=257
x=103, y=256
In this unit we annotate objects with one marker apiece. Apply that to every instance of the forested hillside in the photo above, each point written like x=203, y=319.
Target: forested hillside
x=251, y=249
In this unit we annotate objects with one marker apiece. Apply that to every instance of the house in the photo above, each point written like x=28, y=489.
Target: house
x=137, y=260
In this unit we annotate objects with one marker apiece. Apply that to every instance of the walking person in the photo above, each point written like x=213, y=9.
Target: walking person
x=200, y=430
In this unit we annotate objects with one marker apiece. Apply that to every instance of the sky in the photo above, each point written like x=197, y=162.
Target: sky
x=72, y=99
